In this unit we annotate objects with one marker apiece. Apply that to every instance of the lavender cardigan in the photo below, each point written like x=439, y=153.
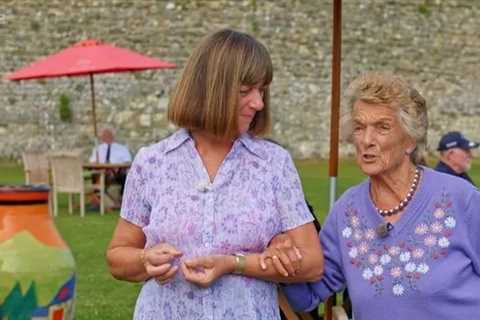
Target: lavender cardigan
x=428, y=267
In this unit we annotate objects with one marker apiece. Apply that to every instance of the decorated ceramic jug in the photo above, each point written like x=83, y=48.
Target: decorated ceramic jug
x=37, y=270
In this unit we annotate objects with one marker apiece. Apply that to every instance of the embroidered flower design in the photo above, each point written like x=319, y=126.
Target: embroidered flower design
x=363, y=247
x=423, y=268
x=439, y=213
x=394, y=251
x=370, y=234
x=357, y=235
x=367, y=274
x=404, y=256
x=410, y=267
x=398, y=290
x=355, y=221
x=347, y=232
x=396, y=272
x=450, y=222
x=373, y=258
x=399, y=265
x=436, y=227
x=378, y=270
x=430, y=241
x=353, y=253
x=418, y=253
x=385, y=259
x=443, y=242
x=421, y=229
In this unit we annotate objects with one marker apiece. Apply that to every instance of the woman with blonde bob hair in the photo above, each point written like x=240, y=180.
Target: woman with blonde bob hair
x=405, y=241
x=201, y=205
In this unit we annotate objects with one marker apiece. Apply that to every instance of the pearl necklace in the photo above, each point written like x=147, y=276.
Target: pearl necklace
x=405, y=201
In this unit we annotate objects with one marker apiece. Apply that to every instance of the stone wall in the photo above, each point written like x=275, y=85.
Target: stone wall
x=435, y=43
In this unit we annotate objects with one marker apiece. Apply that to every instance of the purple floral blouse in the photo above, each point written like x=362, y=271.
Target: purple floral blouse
x=255, y=195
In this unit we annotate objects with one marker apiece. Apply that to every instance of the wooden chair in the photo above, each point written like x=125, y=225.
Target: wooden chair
x=287, y=312
x=67, y=177
x=36, y=168
x=37, y=171
x=336, y=312
x=332, y=312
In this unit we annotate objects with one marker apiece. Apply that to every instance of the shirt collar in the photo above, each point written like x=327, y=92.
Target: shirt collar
x=252, y=145
x=177, y=139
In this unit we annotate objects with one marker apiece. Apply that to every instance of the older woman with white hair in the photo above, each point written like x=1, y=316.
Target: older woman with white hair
x=405, y=241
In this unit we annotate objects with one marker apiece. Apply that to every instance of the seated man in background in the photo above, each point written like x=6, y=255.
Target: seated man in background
x=112, y=152
x=455, y=155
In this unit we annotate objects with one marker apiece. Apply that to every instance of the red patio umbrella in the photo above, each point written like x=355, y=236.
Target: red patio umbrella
x=89, y=57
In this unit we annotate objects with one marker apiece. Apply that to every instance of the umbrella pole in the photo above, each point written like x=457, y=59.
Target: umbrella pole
x=94, y=113
x=94, y=116
x=334, y=121
x=335, y=108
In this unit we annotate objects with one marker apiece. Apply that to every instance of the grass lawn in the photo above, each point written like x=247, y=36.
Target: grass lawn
x=99, y=296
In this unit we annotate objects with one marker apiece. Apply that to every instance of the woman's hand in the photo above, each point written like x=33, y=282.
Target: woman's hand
x=286, y=257
x=158, y=262
x=203, y=271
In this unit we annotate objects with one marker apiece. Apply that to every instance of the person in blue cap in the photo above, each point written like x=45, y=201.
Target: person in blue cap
x=455, y=155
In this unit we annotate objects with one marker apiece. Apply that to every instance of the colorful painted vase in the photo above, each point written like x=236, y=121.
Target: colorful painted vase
x=37, y=270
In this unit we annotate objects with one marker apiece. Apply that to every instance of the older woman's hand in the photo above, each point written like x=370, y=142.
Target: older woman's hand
x=286, y=257
x=158, y=262
x=203, y=271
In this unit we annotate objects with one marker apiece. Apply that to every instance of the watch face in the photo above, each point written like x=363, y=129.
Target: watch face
x=239, y=263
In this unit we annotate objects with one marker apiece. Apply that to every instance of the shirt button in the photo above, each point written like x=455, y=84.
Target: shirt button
x=203, y=186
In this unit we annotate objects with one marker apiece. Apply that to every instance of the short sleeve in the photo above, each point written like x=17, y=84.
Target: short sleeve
x=135, y=206
x=290, y=200
x=125, y=156
x=93, y=157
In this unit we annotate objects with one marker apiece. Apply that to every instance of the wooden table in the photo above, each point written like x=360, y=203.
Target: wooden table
x=101, y=169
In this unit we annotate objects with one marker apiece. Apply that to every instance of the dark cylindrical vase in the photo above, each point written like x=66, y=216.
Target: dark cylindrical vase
x=37, y=270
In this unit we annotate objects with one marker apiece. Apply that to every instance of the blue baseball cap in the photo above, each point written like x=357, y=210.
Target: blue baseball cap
x=455, y=139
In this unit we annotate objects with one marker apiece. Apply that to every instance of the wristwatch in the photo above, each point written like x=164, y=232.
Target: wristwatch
x=239, y=263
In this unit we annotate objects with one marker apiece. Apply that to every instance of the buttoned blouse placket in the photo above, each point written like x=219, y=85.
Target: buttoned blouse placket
x=207, y=191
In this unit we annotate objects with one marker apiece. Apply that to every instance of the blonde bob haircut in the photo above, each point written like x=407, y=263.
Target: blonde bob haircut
x=207, y=94
x=398, y=94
